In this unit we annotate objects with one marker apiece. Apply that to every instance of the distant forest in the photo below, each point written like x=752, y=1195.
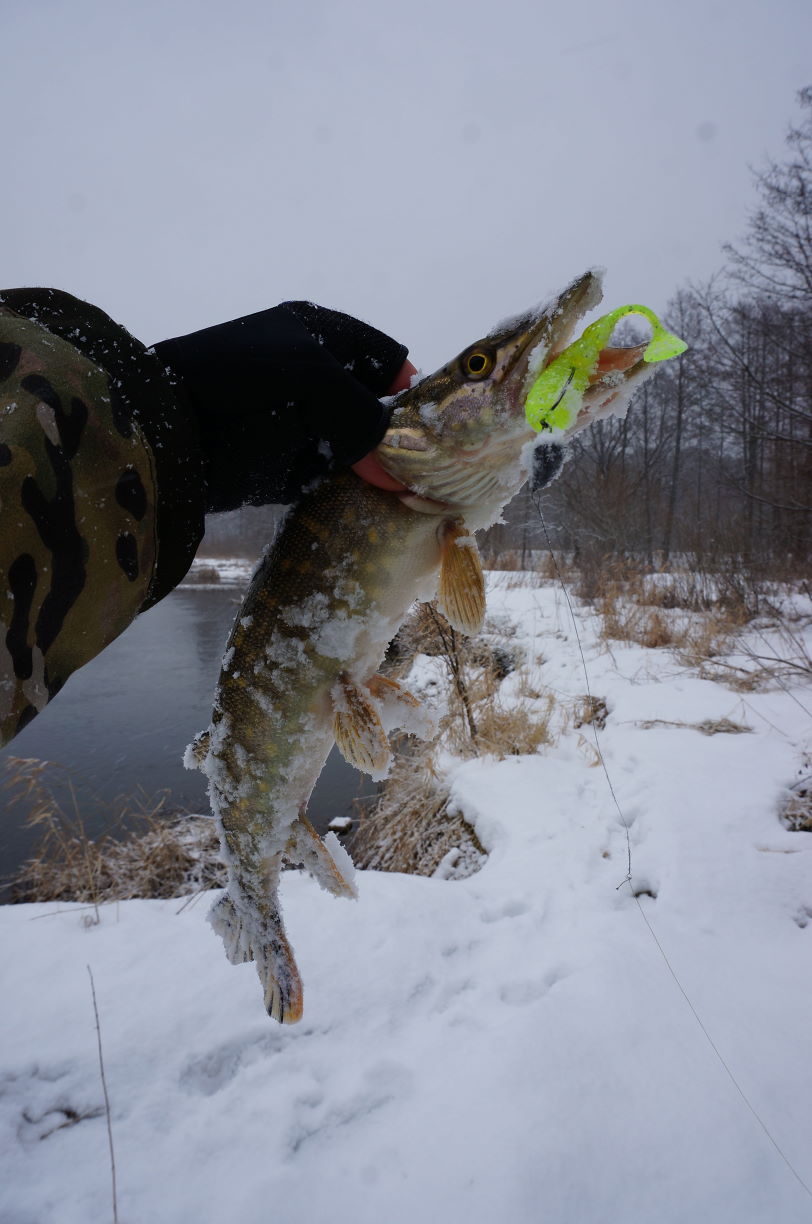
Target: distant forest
x=713, y=462
x=714, y=459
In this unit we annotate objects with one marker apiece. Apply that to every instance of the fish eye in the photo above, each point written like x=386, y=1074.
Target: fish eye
x=477, y=363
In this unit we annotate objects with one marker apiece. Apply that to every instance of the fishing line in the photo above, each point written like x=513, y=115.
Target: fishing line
x=536, y=499
x=628, y=877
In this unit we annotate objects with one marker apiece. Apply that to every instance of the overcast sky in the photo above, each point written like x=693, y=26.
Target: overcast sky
x=430, y=165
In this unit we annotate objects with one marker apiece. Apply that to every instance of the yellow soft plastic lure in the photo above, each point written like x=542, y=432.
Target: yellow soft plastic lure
x=554, y=399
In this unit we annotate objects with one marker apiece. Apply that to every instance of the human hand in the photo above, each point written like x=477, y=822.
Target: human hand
x=368, y=468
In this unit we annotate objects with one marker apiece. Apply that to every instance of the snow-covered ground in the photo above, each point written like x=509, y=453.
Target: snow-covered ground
x=510, y=1047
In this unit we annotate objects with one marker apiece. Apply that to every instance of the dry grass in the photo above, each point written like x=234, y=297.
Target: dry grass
x=697, y=618
x=783, y=652
x=146, y=852
x=706, y=638
x=515, y=580
x=591, y=712
x=747, y=658
x=411, y=828
x=595, y=578
x=727, y=585
x=797, y=812
x=711, y=614
x=510, y=560
x=476, y=721
x=518, y=729
x=627, y=622
x=708, y=726
x=500, y=729
x=727, y=624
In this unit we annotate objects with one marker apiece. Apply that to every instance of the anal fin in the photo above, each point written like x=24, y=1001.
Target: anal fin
x=327, y=861
x=461, y=590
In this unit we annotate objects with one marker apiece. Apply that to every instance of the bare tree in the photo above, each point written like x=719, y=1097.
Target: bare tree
x=775, y=257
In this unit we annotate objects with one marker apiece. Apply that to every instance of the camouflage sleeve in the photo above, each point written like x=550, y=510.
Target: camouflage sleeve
x=100, y=492
x=283, y=397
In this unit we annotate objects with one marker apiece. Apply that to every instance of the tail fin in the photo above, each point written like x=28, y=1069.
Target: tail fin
x=249, y=936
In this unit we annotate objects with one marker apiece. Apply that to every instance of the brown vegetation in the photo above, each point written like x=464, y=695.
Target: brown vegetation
x=411, y=827
x=146, y=852
x=797, y=811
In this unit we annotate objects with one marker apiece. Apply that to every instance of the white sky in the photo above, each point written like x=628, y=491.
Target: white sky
x=430, y=165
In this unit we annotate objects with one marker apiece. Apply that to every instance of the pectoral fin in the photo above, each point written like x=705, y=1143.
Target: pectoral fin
x=461, y=591
x=196, y=752
x=358, y=729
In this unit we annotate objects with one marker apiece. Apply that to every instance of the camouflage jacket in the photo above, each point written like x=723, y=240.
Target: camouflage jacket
x=101, y=491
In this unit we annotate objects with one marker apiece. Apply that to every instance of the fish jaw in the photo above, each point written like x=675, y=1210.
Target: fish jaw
x=456, y=439
x=619, y=374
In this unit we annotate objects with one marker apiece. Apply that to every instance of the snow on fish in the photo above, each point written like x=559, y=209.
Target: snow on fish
x=300, y=671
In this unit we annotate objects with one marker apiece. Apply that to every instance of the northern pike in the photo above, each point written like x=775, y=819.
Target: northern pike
x=300, y=671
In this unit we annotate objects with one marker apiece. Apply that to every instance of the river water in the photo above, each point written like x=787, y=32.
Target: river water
x=123, y=721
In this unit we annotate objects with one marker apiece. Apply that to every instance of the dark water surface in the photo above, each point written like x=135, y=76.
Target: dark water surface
x=123, y=721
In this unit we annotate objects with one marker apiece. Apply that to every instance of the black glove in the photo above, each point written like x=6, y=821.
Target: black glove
x=282, y=398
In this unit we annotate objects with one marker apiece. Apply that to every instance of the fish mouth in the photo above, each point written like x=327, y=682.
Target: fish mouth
x=542, y=338
x=619, y=372
x=454, y=440
x=536, y=338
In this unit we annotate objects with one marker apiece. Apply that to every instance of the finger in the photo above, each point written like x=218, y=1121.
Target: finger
x=404, y=378
x=370, y=470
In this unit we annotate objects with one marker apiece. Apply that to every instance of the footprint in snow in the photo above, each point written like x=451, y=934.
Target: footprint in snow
x=380, y=1085
x=509, y=909
x=520, y=994
x=41, y=1111
x=209, y=1073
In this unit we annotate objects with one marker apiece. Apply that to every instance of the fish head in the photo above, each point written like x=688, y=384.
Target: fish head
x=456, y=438
x=460, y=439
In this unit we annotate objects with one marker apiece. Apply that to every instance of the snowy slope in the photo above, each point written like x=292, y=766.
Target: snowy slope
x=511, y=1046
